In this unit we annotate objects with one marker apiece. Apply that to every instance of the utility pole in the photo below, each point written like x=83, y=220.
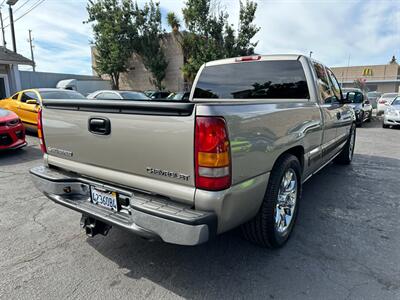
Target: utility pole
x=2, y=30
x=347, y=69
x=30, y=40
x=10, y=4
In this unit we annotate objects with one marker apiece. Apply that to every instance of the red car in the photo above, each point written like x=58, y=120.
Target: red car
x=12, y=131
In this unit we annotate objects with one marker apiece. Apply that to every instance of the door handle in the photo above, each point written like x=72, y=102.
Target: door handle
x=338, y=115
x=99, y=125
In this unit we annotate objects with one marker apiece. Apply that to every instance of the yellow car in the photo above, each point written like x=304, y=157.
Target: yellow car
x=26, y=103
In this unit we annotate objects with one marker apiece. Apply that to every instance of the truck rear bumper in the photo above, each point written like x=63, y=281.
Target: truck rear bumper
x=145, y=214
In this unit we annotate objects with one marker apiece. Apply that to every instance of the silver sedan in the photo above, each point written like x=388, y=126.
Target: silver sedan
x=117, y=95
x=392, y=114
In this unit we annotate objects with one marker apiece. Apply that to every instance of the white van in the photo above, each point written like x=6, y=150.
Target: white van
x=83, y=86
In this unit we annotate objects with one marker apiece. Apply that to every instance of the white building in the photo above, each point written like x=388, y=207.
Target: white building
x=10, y=81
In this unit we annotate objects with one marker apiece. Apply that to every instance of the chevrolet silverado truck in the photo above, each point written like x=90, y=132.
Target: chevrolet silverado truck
x=236, y=154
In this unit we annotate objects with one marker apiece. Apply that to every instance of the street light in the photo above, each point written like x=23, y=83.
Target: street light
x=10, y=4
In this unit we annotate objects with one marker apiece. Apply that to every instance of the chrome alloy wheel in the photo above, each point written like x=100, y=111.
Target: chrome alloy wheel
x=351, y=143
x=287, y=198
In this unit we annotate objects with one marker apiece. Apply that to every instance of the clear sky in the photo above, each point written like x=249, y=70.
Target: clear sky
x=367, y=31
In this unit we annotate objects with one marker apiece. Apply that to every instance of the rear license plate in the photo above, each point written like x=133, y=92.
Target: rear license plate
x=104, y=198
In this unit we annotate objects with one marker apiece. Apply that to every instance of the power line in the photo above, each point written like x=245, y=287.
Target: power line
x=27, y=12
x=17, y=9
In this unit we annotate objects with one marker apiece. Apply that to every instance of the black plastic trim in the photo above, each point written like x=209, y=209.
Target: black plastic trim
x=210, y=219
x=125, y=107
x=99, y=125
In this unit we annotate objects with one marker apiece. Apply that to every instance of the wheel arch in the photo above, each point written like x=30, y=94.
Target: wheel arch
x=297, y=151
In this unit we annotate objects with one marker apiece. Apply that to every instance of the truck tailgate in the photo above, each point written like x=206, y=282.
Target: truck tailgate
x=147, y=139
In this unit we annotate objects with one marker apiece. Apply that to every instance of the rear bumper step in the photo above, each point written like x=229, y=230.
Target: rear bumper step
x=147, y=215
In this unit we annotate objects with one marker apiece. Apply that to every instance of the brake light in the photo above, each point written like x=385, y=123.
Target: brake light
x=248, y=58
x=40, y=132
x=382, y=101
x=212, y=154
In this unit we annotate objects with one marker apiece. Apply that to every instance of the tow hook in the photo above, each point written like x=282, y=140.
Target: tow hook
x=93, y=227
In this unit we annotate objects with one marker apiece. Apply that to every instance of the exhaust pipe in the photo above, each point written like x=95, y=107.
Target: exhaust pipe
x=93, y=227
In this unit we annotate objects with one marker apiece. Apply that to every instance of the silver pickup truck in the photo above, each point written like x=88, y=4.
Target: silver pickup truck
x=236, y=154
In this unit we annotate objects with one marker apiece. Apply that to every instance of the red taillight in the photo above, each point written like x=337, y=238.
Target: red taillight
x=40, y=131
x=212, y=154
x=382, y=101
x=248, y=58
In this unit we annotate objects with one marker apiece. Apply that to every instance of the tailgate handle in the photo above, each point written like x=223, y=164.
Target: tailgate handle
x=99, y=125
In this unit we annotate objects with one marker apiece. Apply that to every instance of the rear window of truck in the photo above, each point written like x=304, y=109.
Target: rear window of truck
x=253, y=80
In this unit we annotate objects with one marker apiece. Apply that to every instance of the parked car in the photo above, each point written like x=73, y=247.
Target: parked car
x=84, y=86
x=117, y=95
x=12, y=131
x=392, y=114
x=373, y=98
x=384, y=101
x=155, y=95
x=180, y=96
x=168, y=170
x=26, y=103
x=361, y=105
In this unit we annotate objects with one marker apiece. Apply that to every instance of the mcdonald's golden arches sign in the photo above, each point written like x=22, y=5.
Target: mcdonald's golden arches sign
x=367, y=72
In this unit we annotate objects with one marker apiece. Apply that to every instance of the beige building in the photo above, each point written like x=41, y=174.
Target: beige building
x=138, y=78
x=381, y=78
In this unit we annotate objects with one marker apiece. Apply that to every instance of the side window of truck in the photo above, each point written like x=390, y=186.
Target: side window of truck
x=325, y=91
x=334, y=85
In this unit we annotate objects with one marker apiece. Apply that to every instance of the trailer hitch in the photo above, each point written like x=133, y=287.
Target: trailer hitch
x=93, y=227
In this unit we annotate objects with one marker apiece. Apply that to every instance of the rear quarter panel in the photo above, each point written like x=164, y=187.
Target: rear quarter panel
x=260, y=132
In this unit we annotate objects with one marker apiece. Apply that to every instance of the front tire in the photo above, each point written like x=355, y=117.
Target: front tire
x=359, y=122
x=369, y=117
x=346, y=155
x=274, y=222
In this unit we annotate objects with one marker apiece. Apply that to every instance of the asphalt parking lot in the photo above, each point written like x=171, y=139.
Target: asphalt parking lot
x=345, y=245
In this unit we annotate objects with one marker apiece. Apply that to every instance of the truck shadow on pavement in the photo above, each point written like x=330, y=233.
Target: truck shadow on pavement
x=343, y=222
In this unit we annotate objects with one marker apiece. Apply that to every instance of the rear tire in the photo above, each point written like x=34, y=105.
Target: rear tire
x=274, y=222
x=346, y=155
x=384, y=125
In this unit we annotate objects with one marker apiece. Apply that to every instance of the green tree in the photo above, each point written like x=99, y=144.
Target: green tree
x=113, y=35
x=247, y=30
x=150, y=45
x=173, y=21
x=208, y=35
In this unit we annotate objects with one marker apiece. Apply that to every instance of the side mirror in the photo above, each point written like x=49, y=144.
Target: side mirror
x=32, y=101
x=367, y=102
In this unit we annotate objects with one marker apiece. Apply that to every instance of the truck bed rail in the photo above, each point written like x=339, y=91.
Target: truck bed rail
x=124, y=107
